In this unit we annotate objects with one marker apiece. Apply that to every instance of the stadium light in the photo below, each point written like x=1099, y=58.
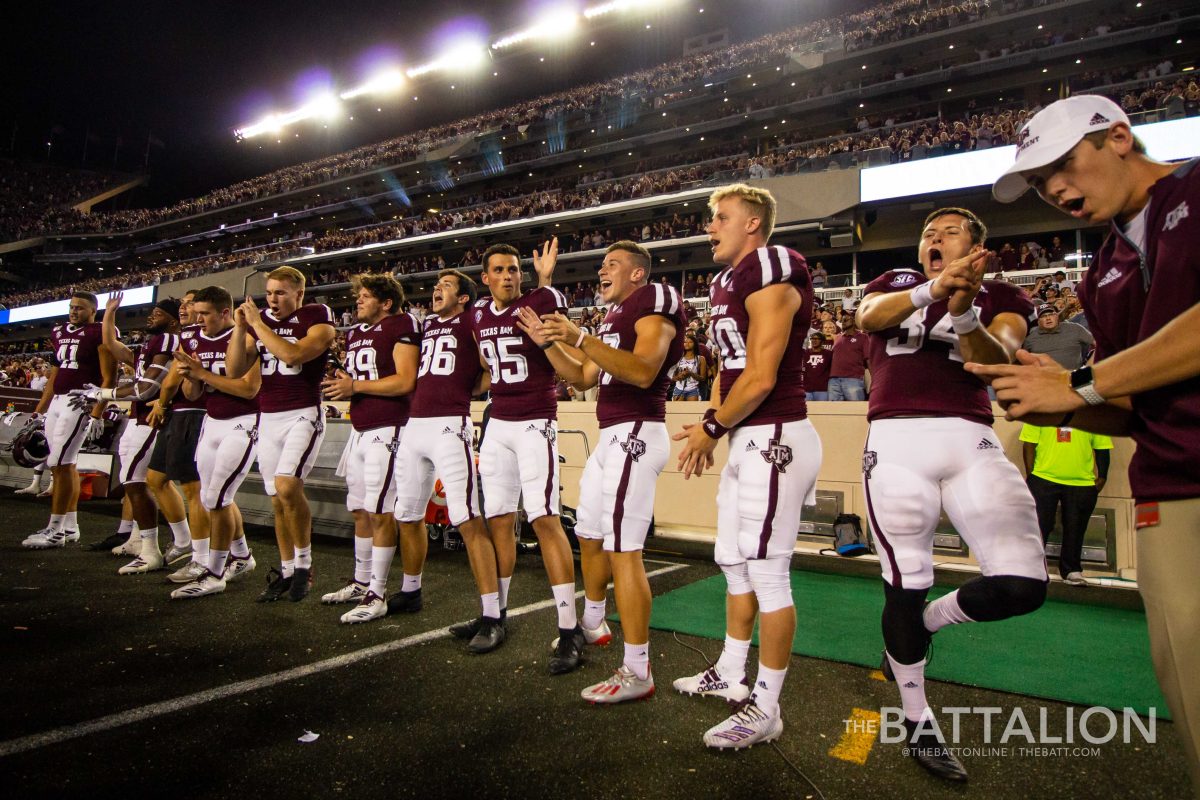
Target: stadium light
x=463, y=56
x=554, y=24
x=390, y=80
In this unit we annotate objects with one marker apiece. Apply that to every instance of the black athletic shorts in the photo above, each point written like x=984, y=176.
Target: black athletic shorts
x=175, y=451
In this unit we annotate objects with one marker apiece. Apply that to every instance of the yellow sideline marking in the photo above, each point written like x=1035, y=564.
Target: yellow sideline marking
x=877, y=675
x=861, y=729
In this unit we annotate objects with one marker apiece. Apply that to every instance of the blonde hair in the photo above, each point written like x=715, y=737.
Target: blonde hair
x=287, y=274
x=759, y=202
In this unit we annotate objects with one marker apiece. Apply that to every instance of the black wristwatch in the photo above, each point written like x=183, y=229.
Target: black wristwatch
x=1085, y=386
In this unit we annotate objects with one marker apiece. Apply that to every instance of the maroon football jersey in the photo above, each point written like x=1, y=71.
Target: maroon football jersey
x=449, y=368
x=764, y=267
x=916, y=366
x=287, y=387
x=211, y=353
x=159, y=343
x=77, y=355
x=369, y=350
x=180, y=401
x=522, y=378
x=623, y=402
x=817, y=362
x=1128, y=298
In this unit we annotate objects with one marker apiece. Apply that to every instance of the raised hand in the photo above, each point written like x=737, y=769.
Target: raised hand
x=114, y=302
x=544, y=264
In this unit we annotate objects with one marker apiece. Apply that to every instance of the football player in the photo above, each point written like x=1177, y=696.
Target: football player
x=150, y=365
x=291, y=339
x=630, y=357
x=519, y=456
x=379, y=375
x=762, y=303
x=80, y=360
x=228, y=437
x=923, y=325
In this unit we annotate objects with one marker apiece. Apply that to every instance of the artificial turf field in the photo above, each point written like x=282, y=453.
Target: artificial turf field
x=108, y=689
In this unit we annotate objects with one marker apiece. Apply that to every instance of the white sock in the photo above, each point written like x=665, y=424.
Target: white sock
x=181, y=531
x=504, y=584
x=911, y=680
x=239, y=548
x=70, y=522
x=732, y=663
x=944, y=611
x=593, y=612
x=381, y=565
x=56, y=522
x=200, y=551
x=126, y=526
x=363, y=549
x=767, y=689
x=149, y=539
x=304, y=557
x=564, y=601
x=216, y=561
x=412, y=583
x=491, y=604
x=637, y=658
x=286, y=568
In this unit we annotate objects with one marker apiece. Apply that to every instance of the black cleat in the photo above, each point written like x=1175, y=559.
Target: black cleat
x=569, y=652
x=491, y=634
x=301, y=582
x=931, y=753
x=277, y=587
x=405, y=602
x=461, y=630
x=467, y=630
x=106, y=545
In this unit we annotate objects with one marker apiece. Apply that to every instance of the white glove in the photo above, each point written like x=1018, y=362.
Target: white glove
x=95, y=429
x=85, y=398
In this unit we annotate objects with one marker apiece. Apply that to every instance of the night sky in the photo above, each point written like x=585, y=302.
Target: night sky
x=188, y=73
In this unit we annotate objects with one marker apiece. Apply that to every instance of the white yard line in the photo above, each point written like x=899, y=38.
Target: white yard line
x=66, y=733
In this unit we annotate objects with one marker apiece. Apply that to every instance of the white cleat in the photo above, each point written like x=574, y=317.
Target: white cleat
x=209, y=584
x=46, y=539
x=132, y=546
x=597, y=637
x=371, y=607
x=623, y=685
x=712, y=683
x=352, y=592
x=746, y=727
x=175, y=553
x=237, y=567
x=192, y=571
x=143, y=564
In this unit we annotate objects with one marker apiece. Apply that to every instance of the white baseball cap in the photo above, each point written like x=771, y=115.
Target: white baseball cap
x=1051, y=133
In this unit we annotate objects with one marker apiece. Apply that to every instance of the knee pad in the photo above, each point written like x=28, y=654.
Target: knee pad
x=904, y=631
x=737, y=578
x=995, y=597
x=772, y=582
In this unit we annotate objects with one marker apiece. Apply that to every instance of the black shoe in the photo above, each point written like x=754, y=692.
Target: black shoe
x=491, y=634
x=931, y=753
x=277, y=587
x=301, y=583
x=467, y=630
x=569, y=652
x=405, y=603
x=464, y=630
x=106, y=545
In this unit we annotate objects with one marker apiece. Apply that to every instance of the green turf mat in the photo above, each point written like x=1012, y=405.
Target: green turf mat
x=1081, y=654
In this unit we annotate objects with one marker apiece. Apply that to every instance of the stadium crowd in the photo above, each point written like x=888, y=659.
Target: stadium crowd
x=618, y=98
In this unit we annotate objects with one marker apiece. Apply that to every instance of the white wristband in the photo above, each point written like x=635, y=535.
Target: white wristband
x=922, y=296
x=965, y=323
x=579, y=341
x=108, y=394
